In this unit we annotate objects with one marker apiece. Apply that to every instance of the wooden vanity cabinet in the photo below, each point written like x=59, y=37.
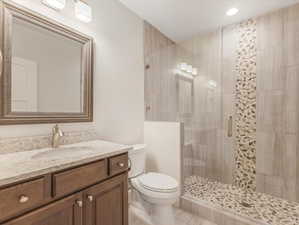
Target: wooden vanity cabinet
x=85, y=195
x=107, y=203
x=67, y=211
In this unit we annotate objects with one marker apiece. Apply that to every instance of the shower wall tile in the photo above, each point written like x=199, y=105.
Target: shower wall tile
x=168, y=97
x=205, y=103
x=297, y=176
x=260, y=183
x=270, y=67
x=291, y=29
x=245, y=119
x=291, y=87
x=160, y=82
x=212, y=151
x=270, y=26
x=188, y=158
x=289, y=172
x=270, y=110
x=229, y=56
x=277, y=103
x=266, y=143
x=274, y=185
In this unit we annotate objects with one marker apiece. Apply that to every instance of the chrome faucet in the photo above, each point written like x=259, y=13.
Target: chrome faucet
x=57, y=134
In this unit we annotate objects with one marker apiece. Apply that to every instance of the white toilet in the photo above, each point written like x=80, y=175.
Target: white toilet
x=156, y=190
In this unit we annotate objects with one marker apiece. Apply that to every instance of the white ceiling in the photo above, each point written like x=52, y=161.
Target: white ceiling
x=182, y=19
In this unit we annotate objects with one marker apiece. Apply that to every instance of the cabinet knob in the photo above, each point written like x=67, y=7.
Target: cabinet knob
x=23, y=199
x=79, y=203
x=120, y=164
x=90, y=198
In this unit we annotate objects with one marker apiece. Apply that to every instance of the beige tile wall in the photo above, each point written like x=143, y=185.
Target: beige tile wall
x=160, y=84
x=212, y=149
x=168, y=97
x=205, y=109
x=277, y=103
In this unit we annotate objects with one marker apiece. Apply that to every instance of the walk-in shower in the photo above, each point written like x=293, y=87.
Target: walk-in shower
x=240, y=158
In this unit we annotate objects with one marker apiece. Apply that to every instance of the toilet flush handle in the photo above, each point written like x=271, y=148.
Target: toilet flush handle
x=129, y=164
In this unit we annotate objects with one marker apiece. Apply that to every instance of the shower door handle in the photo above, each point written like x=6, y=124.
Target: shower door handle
x=230, y=127
x=1, y=63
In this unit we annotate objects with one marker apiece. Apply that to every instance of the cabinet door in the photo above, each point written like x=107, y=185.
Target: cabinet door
x=107, y=203
x=67, y=211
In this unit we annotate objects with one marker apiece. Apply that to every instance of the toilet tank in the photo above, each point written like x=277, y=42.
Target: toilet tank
x=137, y=159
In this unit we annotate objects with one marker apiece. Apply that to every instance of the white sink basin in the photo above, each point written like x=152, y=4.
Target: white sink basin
x=62, y=153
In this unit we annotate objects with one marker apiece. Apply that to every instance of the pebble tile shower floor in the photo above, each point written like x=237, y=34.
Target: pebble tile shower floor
x=249, y=204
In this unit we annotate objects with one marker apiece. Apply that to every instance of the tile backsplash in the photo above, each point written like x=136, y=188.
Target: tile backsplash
x=20, y=144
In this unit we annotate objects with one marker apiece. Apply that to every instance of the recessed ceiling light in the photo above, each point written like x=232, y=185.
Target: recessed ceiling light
x=232, y=12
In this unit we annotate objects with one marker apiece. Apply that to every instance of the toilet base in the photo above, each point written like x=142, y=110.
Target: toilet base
x=163, y=215
x=152, y=214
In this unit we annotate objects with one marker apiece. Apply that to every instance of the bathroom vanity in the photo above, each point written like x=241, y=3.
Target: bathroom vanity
x=46, y=76
x=83, y=189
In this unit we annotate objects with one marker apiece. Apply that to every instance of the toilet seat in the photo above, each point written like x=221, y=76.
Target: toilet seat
x=166, y=193
x=158, y=182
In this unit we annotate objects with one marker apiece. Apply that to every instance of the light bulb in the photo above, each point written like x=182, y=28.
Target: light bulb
x=83, y=11
x=55, y=4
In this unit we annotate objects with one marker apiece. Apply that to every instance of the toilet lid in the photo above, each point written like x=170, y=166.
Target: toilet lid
x=158, y=182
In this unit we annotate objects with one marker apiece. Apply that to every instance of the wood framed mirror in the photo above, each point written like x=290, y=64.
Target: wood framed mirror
x=46, y=69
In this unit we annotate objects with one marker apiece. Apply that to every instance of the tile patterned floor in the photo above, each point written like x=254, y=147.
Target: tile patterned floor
x=181, y=218
x=258, y=206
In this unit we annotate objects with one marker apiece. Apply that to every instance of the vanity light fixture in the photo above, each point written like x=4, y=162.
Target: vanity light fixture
x=186, y=70
x=55, y=4
x=194, y=72
x=183, y=66
x=83, y=11
x=212, y=84
x=232, y=12
x=190, y=69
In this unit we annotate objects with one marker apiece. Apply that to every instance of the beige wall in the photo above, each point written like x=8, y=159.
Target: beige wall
x=119, y=74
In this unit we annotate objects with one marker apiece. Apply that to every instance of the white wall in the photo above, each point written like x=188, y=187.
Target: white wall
x=119, y=73
x=163, y=145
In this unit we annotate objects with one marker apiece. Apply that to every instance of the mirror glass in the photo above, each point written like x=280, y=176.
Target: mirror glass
x=46, y=71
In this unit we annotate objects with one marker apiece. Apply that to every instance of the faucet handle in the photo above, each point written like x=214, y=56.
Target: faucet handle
x=57, y=130
x=61, y=133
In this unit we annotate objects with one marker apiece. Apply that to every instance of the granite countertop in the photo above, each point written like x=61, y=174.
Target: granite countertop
x=19, y=166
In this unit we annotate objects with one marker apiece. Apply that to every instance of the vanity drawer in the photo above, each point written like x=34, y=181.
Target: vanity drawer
x=118, y=164
x=21, y=197
x=75, y=179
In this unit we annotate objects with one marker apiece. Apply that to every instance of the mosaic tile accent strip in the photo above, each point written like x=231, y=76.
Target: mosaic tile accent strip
x=21, y=144
x=245, y=121
x=248, y=203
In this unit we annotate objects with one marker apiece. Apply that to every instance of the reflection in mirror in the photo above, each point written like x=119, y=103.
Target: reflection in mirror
x=46, y=70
